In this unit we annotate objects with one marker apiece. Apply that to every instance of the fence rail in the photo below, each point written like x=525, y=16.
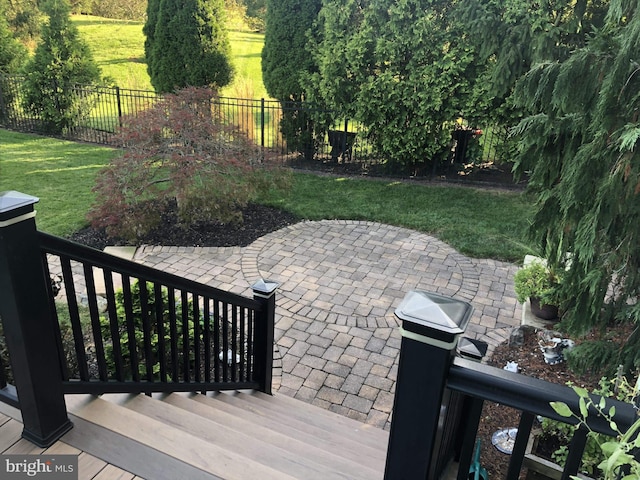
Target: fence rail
x=102, y=110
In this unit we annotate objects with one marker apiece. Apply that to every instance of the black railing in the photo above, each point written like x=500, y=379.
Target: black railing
x=476, y=383
x=77, y=320
x=147, y=330
x=439, y=399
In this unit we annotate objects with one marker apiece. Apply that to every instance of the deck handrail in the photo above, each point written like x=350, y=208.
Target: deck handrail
x=146, y=331
x=210, y=347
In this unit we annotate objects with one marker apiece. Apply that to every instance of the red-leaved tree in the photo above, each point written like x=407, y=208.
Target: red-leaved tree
x=181, y=152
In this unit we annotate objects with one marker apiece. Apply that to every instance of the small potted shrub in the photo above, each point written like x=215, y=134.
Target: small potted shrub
x=539, y=284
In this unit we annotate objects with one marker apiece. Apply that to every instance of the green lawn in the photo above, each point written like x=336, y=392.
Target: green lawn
x=479, y=223
x=60, y=173
x=118, y=48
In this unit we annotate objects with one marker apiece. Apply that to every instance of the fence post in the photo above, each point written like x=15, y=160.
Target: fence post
x=262, y=122
x=264, y=292
x=119, y=106
x=431, y=325
x=27, y=322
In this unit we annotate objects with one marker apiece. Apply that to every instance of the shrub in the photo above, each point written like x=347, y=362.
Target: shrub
x=593, y=454
x=61, y=60
x=181, y=152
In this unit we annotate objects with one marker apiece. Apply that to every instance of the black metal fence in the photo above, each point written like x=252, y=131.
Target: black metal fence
x=104, y=108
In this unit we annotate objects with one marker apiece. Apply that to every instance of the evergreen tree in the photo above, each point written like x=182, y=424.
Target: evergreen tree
x=403, y=69
x=24, y=18
x=581, y=145
x=512, y=35
x=187, y=44
x=149, y=31
x=61, y=60
x=286, y=60
x=12, y=53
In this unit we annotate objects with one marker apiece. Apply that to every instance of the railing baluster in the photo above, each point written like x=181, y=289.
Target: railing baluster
x=576, y=449
x=216, y=340
x=250, y=340
x=225, y=342
x=74, y=316
x=64, y=368
x=173, y=329
x=234, y=344
x=242, y=342
x=520, y=447
x=114, y=325
x=473, y=406
x=207, y=339
x=146, y=329
x=159, y=314
x=131, y=328
x=197, y=364
x=186, y=374
x=95, y=321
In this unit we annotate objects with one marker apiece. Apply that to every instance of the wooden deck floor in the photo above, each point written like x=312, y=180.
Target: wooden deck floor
x=89, y=467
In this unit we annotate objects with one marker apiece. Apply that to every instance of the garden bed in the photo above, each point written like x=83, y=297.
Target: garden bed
x=496, y=417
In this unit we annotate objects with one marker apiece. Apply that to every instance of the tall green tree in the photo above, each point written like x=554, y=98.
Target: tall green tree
x=12, y=53
x=512, y=35
x=286, y=60
x=402, y=69
x=187, y=44
x=24, y=18
x=61, y=60
x=581, y=144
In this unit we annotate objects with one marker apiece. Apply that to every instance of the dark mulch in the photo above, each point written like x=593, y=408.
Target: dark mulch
x=496, y=417
x=258, y=220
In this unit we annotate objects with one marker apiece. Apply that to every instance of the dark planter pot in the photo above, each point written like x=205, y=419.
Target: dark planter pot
x=545, y=312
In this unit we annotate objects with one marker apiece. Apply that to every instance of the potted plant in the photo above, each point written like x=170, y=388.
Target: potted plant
x=539, y=284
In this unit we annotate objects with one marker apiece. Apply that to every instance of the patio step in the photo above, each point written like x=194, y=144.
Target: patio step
x=238, y=435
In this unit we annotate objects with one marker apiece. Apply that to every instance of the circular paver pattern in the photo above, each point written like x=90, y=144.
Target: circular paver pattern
x=336, y=332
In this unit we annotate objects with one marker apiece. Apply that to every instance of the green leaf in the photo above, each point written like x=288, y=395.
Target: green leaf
x=584, y=411
x=612, y=411
x=561, y=409
x=582, y=392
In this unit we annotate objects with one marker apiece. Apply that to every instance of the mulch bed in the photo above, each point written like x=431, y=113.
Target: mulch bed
x=496, y=417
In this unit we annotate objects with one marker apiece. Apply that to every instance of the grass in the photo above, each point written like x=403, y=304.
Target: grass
x=118, y=48
x=60, y=173
x=478, y=223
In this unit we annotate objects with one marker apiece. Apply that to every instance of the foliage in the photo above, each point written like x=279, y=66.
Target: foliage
x=616, y=455
x=12, y=52
x=402, y=69
x=187, y=44
x=120, y=9
x=286, y=60
x=581, y=146
x=159, y=331
x=181, y=151
x=61, y=60
x=24, y=18
x=512, y=36
x=538, y=281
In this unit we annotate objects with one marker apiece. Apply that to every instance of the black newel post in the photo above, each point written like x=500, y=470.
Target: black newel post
x=27, y=322
x=264, y=292
x=431, y=325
